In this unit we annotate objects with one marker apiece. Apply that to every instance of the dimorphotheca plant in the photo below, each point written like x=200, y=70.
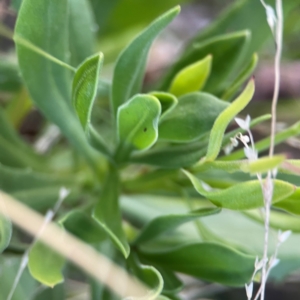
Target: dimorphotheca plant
x=150, y=177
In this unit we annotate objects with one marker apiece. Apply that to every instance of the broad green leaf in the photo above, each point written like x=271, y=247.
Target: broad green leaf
x=45, y=265
x=82, y=35
x=147, y=274
x=194, y=115
x=264, y=144
x=167, y=223
x=261, y=165
x=207, y=261
x=221, y=123
x=41, y=37
x=107, y=212
x=265, y=164
x=226, y=51
x=192, y=78
x=291, y=204
x=83, y=226
x=84, y=88
x=130, y=66
x=241, y=78
x=167, y=101
x=137, y=121
x=5, y=230
x=278, y=220
x=241, y=196
x=171, y=157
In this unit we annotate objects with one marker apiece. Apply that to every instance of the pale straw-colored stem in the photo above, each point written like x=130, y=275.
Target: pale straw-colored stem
x=82, y=255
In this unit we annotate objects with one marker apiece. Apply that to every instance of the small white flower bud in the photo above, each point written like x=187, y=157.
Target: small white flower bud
x=249, y=290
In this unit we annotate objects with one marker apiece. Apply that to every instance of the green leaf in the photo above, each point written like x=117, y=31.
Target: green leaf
x=261, y=165
x=226, y=51
x=147, y=274
x=291, y=203
x=221, y=123
x=137, y=121
x=207, y=261
x=291, y=166
x=83, y=226
x=192, y=78
x=45, y=265
x=84, y=88
x=167, y=223
x=241, y=78
x=41, y=37
x=5, y=230
x=130, y=66
x=167, y=102
x=194, y=115
x=241, y=196
x=82, y=35
x=171, y=157
x=107, y=212
x=278, y=220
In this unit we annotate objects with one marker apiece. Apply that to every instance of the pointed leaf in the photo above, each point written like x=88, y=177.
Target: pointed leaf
x=107, y=212
x=45, y=265
x=84, y=87
x=241, y=196
x=137, y=121
x=5, y=229
x=194, y=115
x=41, y=37
x=208, y=261
x=226, y=51
x=241, y=78
x=167, y=101
x=192, y=78
x=130, y=66
x=167, y=223
x=221, y=123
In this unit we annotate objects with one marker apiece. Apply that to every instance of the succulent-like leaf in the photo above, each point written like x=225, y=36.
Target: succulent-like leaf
x=192, y=78
x=226, y=51
x=194, y=115
x=84, y=87
x=137, y=121
x=107, y=212
x=241, y=196
x=41, y=37
x=45, y=265
x=221, y=123
x=291, y=203
x=129, y=69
